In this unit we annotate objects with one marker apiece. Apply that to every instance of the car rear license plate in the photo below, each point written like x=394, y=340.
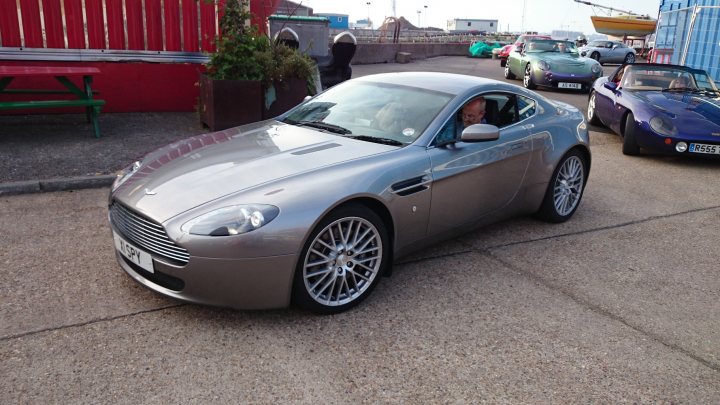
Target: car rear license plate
x=133, y=253
x=703, y=148
x=565, y=85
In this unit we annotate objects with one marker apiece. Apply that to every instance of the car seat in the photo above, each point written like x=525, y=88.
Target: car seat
x=492, y=115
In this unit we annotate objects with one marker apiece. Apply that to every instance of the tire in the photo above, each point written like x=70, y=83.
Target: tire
x=508, y=73
x=595, y=55
x=630, y=146
x=346, y=277
x=630, y=58
x=565, y=189
x=527, y=78
x=503, y=62
x=591, y=111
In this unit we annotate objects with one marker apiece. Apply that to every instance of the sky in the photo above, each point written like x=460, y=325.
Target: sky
x=540, y=15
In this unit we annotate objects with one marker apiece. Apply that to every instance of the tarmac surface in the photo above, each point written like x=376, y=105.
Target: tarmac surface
x=621, y=304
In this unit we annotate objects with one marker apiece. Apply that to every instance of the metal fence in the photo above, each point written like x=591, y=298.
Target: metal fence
x=690, y=36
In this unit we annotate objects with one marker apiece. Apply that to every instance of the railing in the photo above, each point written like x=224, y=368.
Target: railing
x=421, y=36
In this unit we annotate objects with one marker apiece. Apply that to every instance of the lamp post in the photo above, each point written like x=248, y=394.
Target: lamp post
x=368, y=18
x=426, y=23
x=418, y=18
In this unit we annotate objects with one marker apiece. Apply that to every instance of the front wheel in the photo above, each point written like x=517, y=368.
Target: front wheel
x=595, y=55
x=565, y=188
x=527, y=79
x=630, y=58
x=508, y=73
x=342, y=260
x=591, y=111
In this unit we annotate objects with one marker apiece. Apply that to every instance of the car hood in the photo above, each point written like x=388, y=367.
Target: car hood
x=564, y=61
x=684, y=105
x=197, y=170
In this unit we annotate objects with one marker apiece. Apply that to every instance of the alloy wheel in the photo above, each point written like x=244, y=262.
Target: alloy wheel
x=568, y=185
x=343, y=261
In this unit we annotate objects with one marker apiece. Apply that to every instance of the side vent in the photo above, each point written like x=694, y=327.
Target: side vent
x=411, y=186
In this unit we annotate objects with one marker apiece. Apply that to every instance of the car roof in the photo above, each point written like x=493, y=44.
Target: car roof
x=450, y=83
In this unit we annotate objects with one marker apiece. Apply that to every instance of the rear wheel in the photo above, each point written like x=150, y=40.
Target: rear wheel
x=595, y=55
x=565, y=188
x=630, y=58
x=630, y=146
x=591, y=112
x=527, y=79
x=503, y=62
x=342, y=260
x=508, y=73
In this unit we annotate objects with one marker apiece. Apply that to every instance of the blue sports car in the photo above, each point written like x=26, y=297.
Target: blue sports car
x=665, y=108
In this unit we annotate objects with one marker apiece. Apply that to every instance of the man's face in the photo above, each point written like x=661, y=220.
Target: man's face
x=472, y=114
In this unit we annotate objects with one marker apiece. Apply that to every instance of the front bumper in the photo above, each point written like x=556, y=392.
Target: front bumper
x=548, y=78
x=253, y=283
x=648, y=139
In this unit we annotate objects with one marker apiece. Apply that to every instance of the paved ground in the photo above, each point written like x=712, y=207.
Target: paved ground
x=619, y=305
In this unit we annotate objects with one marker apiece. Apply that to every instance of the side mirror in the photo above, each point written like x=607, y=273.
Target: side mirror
x=519, y=48
x=611, y=86
x=480, y=133
x=583, y=53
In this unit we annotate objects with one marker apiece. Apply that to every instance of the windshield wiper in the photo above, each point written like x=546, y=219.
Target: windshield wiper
x=384, y=141
x=336, y=129
x=680, y=89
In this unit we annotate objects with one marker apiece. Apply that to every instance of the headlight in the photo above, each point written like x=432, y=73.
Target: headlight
x=543, y=65
x=232, y=220
x=125, y=174
x=663, y=126
x=596, y=68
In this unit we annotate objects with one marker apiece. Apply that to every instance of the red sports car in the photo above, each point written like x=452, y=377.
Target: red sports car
x=503, y=54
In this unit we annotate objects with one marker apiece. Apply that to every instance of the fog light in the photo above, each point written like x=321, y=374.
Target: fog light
x=681, y=147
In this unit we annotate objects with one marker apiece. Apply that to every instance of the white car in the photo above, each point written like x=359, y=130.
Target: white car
x=609, y=52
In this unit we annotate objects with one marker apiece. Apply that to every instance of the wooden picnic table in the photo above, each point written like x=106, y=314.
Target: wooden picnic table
x=62, y=75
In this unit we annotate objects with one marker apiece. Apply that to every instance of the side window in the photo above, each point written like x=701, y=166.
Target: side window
x=501, y=110
x=526, y=107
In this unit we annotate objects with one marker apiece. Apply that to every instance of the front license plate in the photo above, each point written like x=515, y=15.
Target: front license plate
x=703, y=148
x=133, y=253
x=565, y=85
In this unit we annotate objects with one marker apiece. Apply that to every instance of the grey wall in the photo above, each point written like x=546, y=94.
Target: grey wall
x=384, y=53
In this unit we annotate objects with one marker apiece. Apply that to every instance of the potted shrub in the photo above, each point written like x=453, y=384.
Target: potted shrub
x=249, y=77
x=231, y=88
x=288, y=77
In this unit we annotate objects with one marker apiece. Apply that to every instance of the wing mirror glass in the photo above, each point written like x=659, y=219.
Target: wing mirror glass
x=611, y=86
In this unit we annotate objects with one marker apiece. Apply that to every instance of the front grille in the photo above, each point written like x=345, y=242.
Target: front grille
x=147, y=234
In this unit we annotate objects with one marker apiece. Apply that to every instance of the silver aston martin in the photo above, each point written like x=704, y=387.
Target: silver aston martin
x=314, y=206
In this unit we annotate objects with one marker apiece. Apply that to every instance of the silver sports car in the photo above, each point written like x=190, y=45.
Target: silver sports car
x=313, y=207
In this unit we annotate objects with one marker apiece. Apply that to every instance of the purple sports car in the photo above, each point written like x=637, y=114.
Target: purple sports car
x=665, y=108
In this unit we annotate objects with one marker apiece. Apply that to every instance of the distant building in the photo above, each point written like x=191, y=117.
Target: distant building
x=337, y=21
x=563, y=34
x=286, y=7
x=472, y=25
x=364, y=23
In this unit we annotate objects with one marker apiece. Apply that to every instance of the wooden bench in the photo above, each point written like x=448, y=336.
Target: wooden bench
x=62, y=75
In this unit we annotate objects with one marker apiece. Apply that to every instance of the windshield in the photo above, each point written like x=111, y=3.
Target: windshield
x=374, y=112
x=667, y=78
x=551, y=45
